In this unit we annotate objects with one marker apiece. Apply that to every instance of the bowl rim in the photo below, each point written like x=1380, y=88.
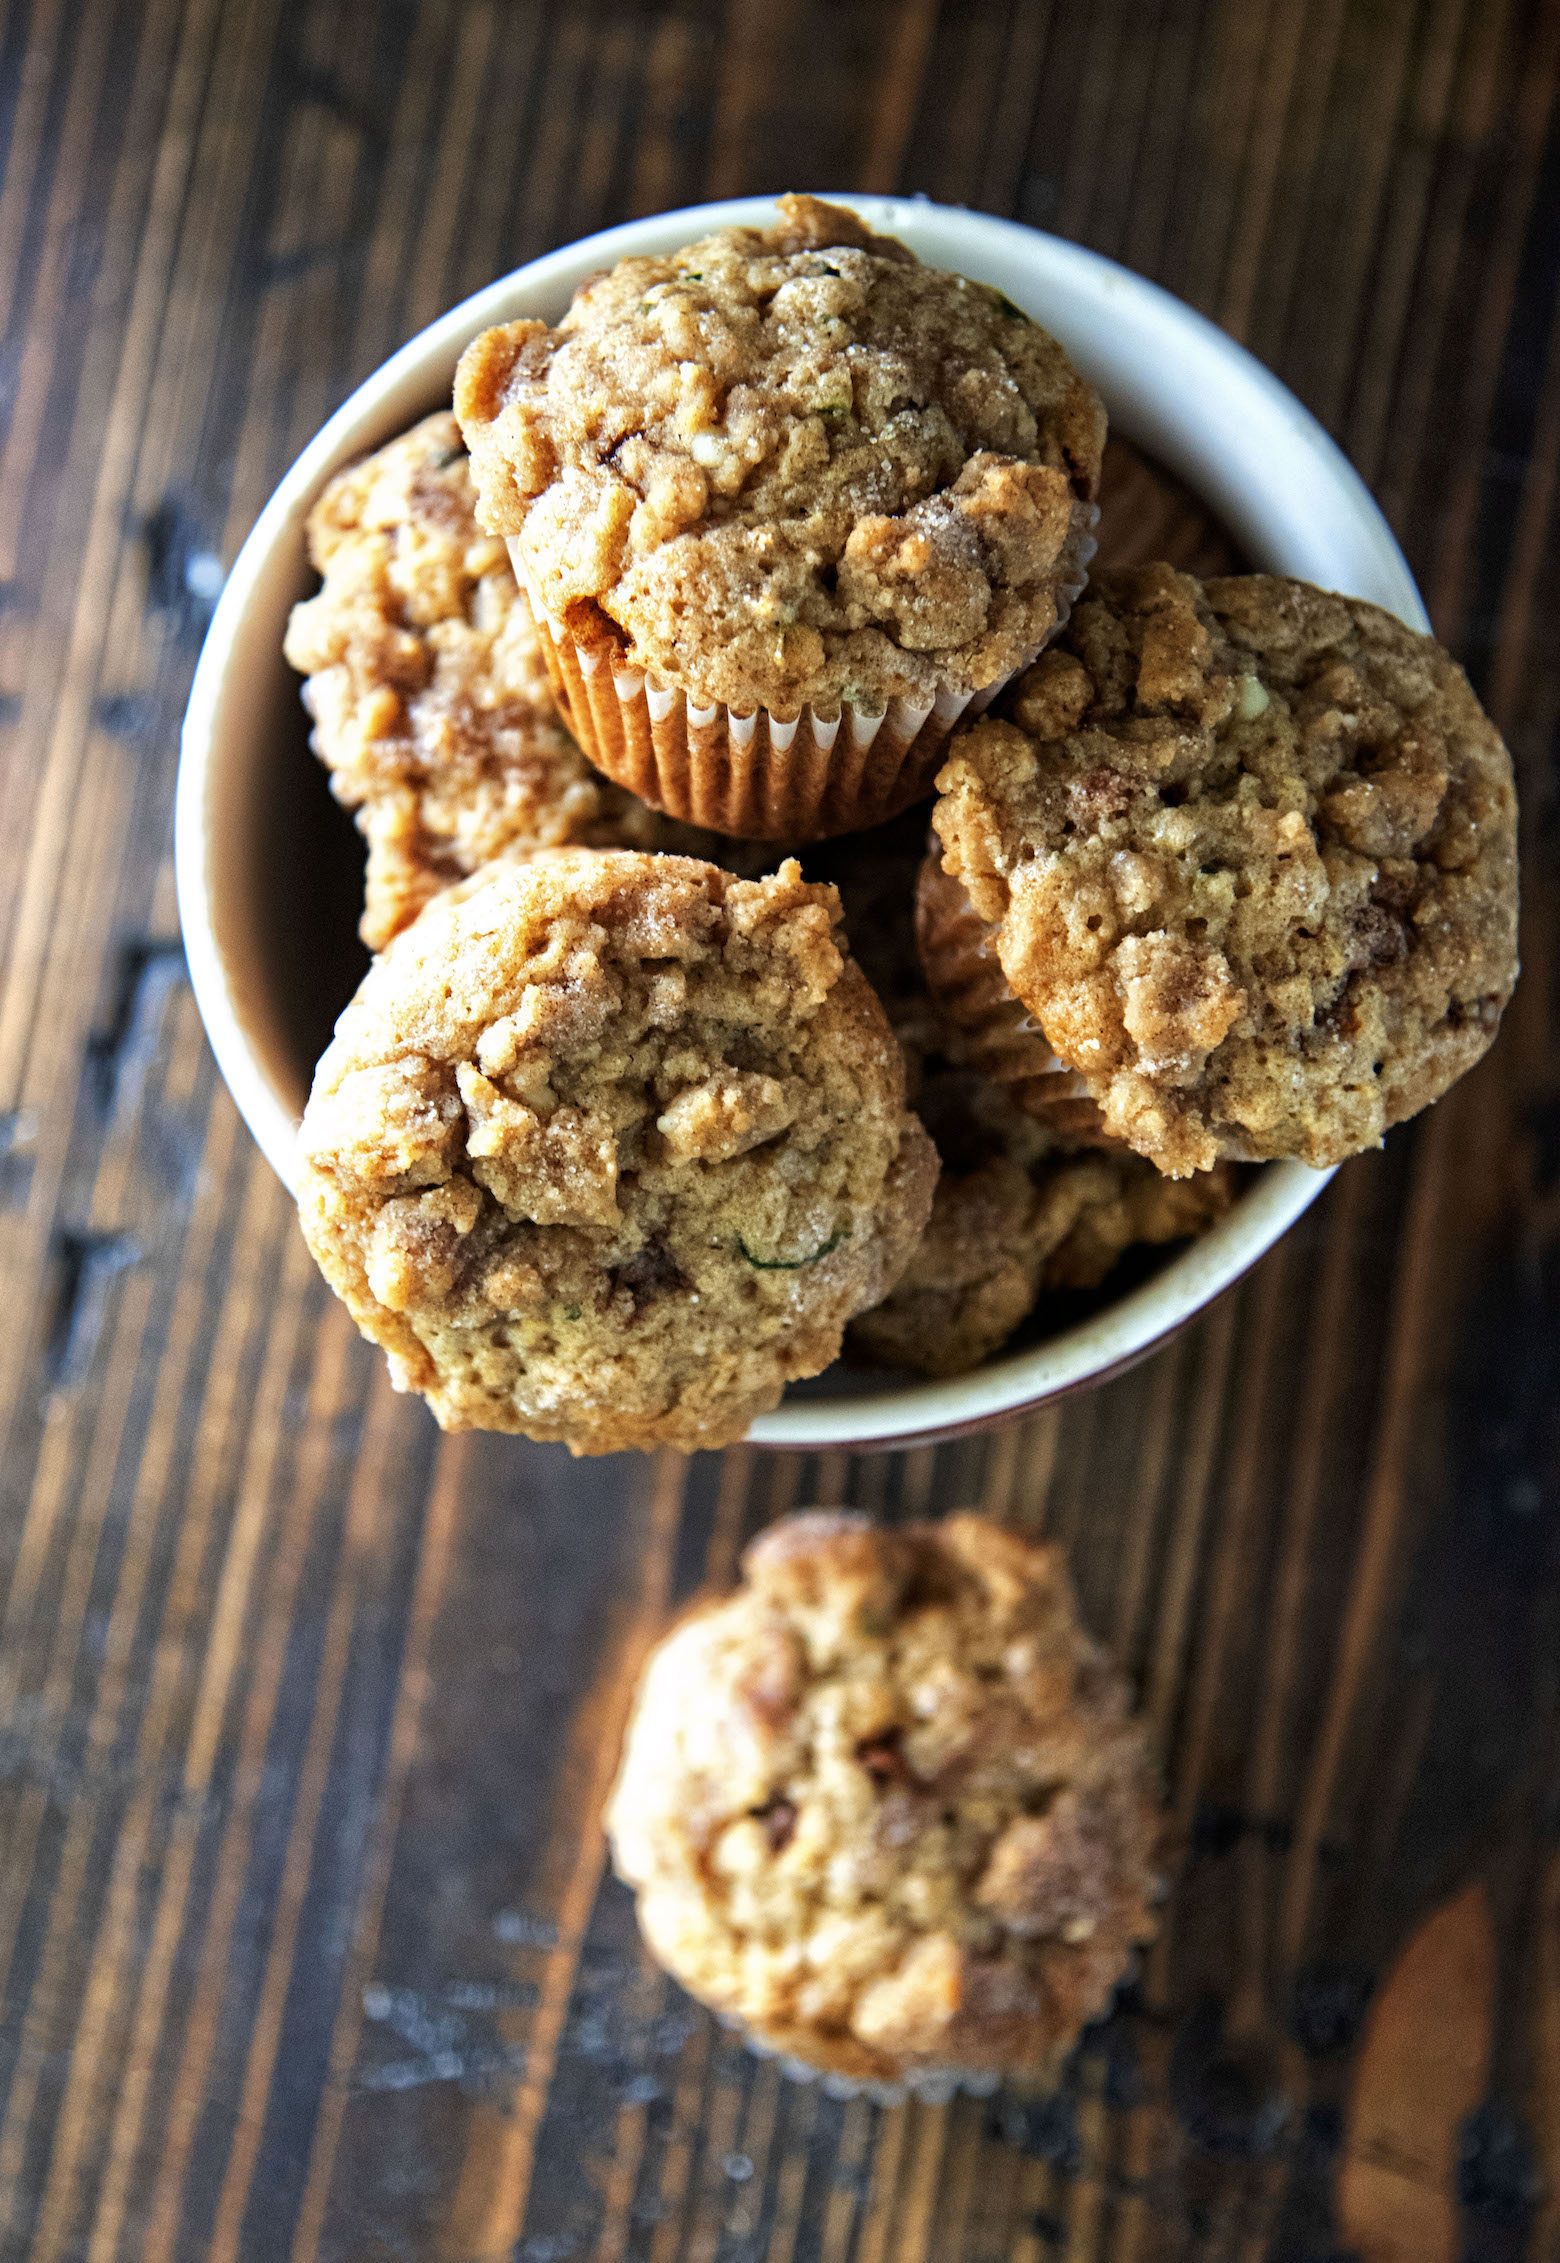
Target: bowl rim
x=1174, y=383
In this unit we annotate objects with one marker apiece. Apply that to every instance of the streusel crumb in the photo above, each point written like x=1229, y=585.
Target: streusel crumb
x=1018, y=1211
x=427, y=689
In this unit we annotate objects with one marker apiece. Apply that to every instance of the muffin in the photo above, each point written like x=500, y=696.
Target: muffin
x=885, y=1806
x=787, y=503
x=609, y=1147
x=1250, y=853
x=428, y=690
x=1018, y=1213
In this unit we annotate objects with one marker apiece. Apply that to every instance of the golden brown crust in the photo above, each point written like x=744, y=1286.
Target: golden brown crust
x=428, y=692
x=609, y=1147
x=886, y=1805
x=790, y=467
x=1252, y=852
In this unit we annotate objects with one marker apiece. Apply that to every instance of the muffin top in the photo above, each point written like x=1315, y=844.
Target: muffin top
x=790, y=466
x=427, y=688
x=1252, y=852
x=608, y=1147
x=1017, y=1212
x=886, y=1806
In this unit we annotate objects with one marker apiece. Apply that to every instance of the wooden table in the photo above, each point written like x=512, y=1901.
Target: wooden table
x=308, y=1947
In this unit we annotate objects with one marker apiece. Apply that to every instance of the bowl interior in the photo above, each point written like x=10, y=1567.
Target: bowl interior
x=270, y=868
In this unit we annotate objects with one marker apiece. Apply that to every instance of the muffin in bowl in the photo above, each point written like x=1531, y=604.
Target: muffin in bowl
x=1250, y=849
x=787, y=503
x=609, y=1147
x=425, y=681
x=270, y=881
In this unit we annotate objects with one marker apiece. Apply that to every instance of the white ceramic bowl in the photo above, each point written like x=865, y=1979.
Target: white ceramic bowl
x=252, y=809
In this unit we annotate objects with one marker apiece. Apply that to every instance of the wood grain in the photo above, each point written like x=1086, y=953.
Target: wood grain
x=307, y=1943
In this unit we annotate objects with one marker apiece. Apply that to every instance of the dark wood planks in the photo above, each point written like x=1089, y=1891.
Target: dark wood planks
x=305, y=1714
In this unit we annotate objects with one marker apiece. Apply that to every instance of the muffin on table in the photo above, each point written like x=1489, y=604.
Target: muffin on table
x=610, y=1146
x=886, y=1806
x=787, y=503
x=428, y=690
x=1250, y=854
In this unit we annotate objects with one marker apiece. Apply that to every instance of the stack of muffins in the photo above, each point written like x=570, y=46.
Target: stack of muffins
x=701, y=1033
x=702, y=1038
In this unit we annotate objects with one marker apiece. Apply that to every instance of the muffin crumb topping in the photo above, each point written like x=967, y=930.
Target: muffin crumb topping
x=1251, y=852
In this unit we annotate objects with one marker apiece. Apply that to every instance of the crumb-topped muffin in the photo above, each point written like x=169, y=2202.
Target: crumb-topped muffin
x=886, y=1805
x=782, y=470
x=1018, y=1212
x=428, y=689
x=609, y=1147
x=789, y=466
x=1251, y=849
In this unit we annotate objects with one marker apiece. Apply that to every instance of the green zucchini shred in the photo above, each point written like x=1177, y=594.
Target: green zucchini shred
x=791, y=1264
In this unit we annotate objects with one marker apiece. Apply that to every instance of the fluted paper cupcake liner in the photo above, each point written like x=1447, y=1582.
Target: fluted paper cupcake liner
x=994, y=1030
x=759, y=776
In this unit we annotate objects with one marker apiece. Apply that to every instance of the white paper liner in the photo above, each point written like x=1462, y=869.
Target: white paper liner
x=759, y=776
